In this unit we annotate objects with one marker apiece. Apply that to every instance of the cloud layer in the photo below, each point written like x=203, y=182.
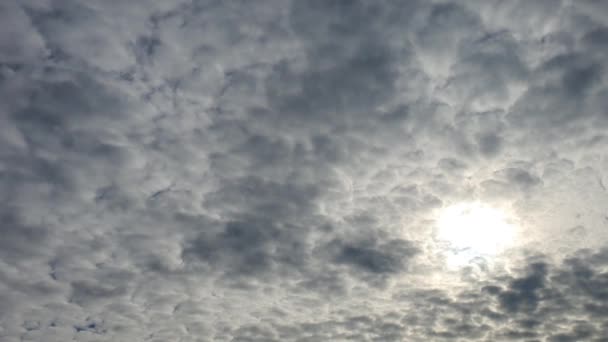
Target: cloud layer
x=271, y=170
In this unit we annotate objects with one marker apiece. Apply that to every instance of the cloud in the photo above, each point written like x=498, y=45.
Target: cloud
x=272, y=171
x=373, y=260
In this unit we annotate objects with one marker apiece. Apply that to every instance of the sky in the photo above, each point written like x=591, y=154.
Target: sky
x=316, y=170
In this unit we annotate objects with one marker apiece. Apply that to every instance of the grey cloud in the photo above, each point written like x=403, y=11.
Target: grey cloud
x=389, y=257
x=519, y=177
x=246, y=243
x=86, y=291
x=566, y=86
x=490, y=144
x=597, y=39
x=487, y=72
x=531, y=302
x=21, y=42
x=344, y=82
x=20, y=240
x=451, y=164
x=261, y=171
x=521, y=294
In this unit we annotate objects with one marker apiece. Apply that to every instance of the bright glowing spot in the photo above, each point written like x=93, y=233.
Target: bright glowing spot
x=475, y=229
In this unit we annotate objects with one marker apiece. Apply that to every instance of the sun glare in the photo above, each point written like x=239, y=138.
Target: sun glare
x=475, y=229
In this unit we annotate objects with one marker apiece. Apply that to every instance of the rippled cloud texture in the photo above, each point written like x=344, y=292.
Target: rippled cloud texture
x=271, y=170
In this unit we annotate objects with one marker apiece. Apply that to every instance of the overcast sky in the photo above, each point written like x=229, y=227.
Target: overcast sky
x=185, y=170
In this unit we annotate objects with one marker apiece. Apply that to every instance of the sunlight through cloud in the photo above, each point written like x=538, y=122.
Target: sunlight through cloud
x=473, y=230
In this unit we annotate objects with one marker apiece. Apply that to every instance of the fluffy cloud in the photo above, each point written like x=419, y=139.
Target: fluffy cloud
x=260, y=171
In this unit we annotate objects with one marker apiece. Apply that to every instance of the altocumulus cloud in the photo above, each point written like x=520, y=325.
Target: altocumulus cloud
x=268, y=170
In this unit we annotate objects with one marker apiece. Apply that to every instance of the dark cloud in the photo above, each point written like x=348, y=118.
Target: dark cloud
x=518, y=177
x=20, y=240
x=565, y=86
x=521, y=294
x=389, y=257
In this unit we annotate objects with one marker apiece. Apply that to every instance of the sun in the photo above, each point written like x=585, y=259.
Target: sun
x=474, y=229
